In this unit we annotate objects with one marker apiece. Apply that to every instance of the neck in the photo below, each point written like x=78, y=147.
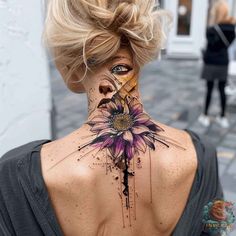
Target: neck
x=127, y=91
x=95, y=104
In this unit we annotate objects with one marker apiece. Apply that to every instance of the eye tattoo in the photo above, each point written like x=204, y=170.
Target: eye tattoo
x=121, y=69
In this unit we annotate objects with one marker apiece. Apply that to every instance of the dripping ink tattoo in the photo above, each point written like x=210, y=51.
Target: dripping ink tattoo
x=122, y=127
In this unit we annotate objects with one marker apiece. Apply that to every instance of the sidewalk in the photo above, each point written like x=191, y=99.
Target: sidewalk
x=173, y=94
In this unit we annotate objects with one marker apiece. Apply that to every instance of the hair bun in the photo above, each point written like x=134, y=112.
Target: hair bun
x=124, y=15
x=82, y=30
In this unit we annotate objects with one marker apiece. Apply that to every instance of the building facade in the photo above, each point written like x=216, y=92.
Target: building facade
x=187, y=37
x=25, y=94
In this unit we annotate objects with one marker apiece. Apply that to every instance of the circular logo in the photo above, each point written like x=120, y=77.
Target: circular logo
x=219, y=217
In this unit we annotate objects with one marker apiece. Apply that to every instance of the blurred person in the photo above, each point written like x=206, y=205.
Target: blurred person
x=230, y=89
x=121, y=173
x=220, y=34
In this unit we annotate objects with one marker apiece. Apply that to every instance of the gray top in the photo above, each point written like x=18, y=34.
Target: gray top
x=26, y=210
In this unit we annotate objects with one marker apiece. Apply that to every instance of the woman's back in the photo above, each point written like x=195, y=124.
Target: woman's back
x=86, y=194
x=80, y=200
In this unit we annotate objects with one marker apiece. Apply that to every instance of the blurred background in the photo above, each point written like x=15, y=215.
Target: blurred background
x=35, y=103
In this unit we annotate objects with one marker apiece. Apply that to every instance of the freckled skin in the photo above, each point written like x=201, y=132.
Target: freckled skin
x=85, y=186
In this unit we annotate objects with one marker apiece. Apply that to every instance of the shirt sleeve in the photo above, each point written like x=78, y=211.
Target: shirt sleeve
x=4, y=228
x=220, y=189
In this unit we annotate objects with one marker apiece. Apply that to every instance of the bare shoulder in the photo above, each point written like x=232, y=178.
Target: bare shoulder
x=173, y=175
x=178, y=164
x=59, y=159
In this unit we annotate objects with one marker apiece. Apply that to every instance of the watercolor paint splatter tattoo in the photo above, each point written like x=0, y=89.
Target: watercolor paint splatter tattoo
x=124, y=131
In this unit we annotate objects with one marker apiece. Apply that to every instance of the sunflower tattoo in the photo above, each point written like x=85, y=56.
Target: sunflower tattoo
x=124, y=129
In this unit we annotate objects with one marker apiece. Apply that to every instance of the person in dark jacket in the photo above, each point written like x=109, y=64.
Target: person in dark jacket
x=216, y=59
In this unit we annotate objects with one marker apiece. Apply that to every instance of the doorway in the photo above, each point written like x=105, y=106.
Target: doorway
x=187, y=36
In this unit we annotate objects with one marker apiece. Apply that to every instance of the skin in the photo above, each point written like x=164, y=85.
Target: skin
x=85, y=198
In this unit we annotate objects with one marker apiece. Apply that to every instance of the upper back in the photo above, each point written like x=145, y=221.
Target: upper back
x=89, y=191
x=88, y=202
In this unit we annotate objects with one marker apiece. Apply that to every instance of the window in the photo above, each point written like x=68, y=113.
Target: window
x=161, y=3
x=184, y=17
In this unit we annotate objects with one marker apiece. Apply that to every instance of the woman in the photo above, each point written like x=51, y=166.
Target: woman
x=121, y=173
x=216, y=59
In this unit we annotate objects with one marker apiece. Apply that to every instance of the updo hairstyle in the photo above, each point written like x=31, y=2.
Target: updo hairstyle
x=86, y=33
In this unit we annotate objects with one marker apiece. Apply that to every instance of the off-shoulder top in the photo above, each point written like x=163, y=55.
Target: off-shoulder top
x=26, y=210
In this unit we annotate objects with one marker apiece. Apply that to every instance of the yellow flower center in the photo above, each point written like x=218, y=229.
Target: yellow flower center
x=122, y=122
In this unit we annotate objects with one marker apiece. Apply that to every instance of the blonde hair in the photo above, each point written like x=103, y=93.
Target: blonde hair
x=219, y=13
x=85, y=32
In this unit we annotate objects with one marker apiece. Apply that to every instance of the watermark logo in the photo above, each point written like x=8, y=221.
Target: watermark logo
x=219, y=217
